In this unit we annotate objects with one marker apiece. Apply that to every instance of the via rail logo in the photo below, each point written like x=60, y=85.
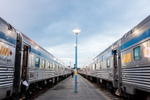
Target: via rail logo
x=146, y=52
x=5, y=53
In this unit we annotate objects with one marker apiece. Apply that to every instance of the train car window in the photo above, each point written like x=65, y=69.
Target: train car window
x=55, y=67
x=102, y=58
x=43, y=64
x=37, y=62
x=137, y=53
x=108, y=63
x=48, y=65
x=100, y=65
x=58, y=67
x=51, y=65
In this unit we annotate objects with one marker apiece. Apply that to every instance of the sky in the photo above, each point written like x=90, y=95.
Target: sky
x=49, y=23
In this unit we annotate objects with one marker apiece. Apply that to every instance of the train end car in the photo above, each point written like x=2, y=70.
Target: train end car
x=8, y=39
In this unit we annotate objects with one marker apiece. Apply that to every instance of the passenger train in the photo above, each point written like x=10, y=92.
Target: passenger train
x=17, y=53
x=125, y=65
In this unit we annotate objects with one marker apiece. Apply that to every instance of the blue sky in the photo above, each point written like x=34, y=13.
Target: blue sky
x=50, y=23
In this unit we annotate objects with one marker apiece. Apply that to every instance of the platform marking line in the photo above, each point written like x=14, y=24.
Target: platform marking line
x=98, y=90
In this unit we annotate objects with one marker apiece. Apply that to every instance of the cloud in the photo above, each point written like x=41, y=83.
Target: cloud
x=87, y=50
x=50, y=23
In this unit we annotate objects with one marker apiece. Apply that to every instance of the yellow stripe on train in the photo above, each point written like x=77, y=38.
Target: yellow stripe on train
x=4, y=51
x=126, y=58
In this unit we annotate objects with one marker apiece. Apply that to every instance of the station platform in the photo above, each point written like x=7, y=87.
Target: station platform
x=65, y=91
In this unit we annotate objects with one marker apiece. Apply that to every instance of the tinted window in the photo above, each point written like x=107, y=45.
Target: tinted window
x=137, y=53
x=37, y=62
x=43, y=64
x=48, y=65
x=108, y=64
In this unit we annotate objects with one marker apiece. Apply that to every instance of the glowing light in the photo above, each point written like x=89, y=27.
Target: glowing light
x=76, y=31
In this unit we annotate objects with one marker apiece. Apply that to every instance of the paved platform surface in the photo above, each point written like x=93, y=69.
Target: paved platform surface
x=65, y=91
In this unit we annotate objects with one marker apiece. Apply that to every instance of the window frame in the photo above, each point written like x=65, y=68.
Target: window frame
x=107, y=63
x=58, y=67
x=138, y=53
x=48, y=65
x=51, y=65
x=55, y=66
x=38, y=63
x=44, y=63
x=100, y=65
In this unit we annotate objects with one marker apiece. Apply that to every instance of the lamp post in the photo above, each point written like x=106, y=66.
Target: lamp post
x=76, y=31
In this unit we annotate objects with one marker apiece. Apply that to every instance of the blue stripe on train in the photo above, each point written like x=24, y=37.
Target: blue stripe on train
x=13, y=41
x=42, y=55
x=135, y=40
x=7, y=38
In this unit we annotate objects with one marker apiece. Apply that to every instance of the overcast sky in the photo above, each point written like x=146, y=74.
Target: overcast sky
x=50, y=23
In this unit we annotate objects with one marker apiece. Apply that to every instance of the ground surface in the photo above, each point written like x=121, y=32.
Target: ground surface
x=65, y=91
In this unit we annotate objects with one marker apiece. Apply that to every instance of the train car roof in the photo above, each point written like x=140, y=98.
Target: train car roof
x=33, y=43
x=9, y=26
x=147, y=19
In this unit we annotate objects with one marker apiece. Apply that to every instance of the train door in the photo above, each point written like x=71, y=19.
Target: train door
x=25, y=62
x=17, y=72
x=114, y=68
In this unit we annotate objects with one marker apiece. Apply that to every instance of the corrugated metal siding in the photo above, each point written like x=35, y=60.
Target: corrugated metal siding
x=6, y=76
x=138, y=76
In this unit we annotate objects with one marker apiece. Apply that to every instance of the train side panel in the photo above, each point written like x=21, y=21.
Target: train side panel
x=136, y=60
x=7, y=58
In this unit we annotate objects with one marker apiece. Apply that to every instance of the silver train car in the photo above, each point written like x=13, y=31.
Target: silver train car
x=17, y=53
x=125, y=65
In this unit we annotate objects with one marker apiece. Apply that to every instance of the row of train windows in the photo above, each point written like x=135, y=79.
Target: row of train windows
x=137, y=56
x=49, y=64
x=107, y=64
